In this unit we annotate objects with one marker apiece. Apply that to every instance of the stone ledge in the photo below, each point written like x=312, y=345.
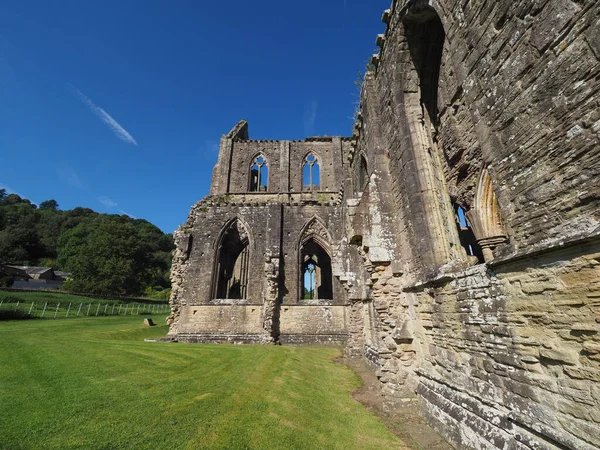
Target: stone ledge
x=535, y=252
x=205, y=338
x=327, y=340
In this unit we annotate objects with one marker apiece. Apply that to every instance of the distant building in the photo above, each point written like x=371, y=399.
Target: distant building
x=14, y=273
x=33, y=277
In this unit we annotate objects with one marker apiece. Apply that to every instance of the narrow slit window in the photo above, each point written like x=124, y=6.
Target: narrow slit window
x=466, y=235
x=363, y=175
x=311, y=173
x=259, y=174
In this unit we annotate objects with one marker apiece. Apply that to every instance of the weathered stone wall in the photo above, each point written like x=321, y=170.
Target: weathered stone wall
x=275, y=222
x=313, y=324
x=492, y=106
x=517, y=89
x=511, y=351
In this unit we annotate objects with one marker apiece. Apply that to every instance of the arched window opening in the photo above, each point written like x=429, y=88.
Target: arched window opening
x=311, y=173
x=317, y=282
x=466, y=235
x=259, y=174
x=426, y=37
x=232, y=264
x=363, y=174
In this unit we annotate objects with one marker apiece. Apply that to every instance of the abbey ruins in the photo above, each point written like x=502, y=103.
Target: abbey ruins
x=453, y=241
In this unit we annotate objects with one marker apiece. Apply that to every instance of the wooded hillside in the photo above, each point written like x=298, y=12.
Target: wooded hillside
x=107, y=254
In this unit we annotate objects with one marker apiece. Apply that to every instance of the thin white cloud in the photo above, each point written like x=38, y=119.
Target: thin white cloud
x=107, y=201
x=310, y=117
x=119, y=131
x=127, y=214
x=210, y=150
x=69, y=176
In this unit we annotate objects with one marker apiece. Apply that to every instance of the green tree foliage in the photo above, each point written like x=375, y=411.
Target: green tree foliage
x=107, y=254
x=49, y=204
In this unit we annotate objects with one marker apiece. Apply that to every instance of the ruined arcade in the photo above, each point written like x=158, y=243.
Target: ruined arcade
x=453, y=241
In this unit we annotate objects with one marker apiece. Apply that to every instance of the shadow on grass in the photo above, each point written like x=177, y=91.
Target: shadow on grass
x=15, y=315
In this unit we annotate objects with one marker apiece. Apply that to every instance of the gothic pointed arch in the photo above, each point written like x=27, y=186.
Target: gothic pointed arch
x=315, y=228
x=311, y=172
x=259, y=174
x=316, y=280
x=486, y=216
x=232, y=258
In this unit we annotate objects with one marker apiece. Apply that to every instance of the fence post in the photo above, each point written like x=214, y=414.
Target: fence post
x=17, y=307
x=1, y=303
x=88, y=311
x=113, y=309
x=105, y=308
x=68, y=309
x=138, y=309
x=79, y=310
x=56, y=312
x=31, y=308
x=97, y=309
x=44, y=311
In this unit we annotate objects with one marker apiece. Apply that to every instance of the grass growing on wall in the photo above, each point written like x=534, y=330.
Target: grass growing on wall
x=94, y=383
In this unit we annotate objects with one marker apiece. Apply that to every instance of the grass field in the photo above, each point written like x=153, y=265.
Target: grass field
x=93, y=383
x=58, y=305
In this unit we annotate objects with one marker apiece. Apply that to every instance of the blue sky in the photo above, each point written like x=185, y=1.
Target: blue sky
x=119, y=106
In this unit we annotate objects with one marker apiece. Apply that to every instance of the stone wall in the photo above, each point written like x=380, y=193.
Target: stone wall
x=510, y=352
x=274, y=222
x=490, y=106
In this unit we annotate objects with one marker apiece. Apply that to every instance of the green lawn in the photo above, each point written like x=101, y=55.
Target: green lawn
x=58, y=305
x=93, y=383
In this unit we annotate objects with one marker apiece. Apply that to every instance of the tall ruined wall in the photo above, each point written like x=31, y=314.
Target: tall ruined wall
x=487, y=107
x=268, y=228
x=491, y=106
x=517, y=93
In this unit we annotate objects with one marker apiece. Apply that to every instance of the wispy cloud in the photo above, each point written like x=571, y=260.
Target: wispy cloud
x=210, y=150
x=119, y=131
x=107, y=201
x=310, y=117
x=127, y=214
x=69, y=176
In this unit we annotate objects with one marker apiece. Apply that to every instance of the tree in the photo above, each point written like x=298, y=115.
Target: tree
x=49, y=205
x=107, y=254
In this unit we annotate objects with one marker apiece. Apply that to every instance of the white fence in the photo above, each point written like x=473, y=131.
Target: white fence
x=70, y=310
